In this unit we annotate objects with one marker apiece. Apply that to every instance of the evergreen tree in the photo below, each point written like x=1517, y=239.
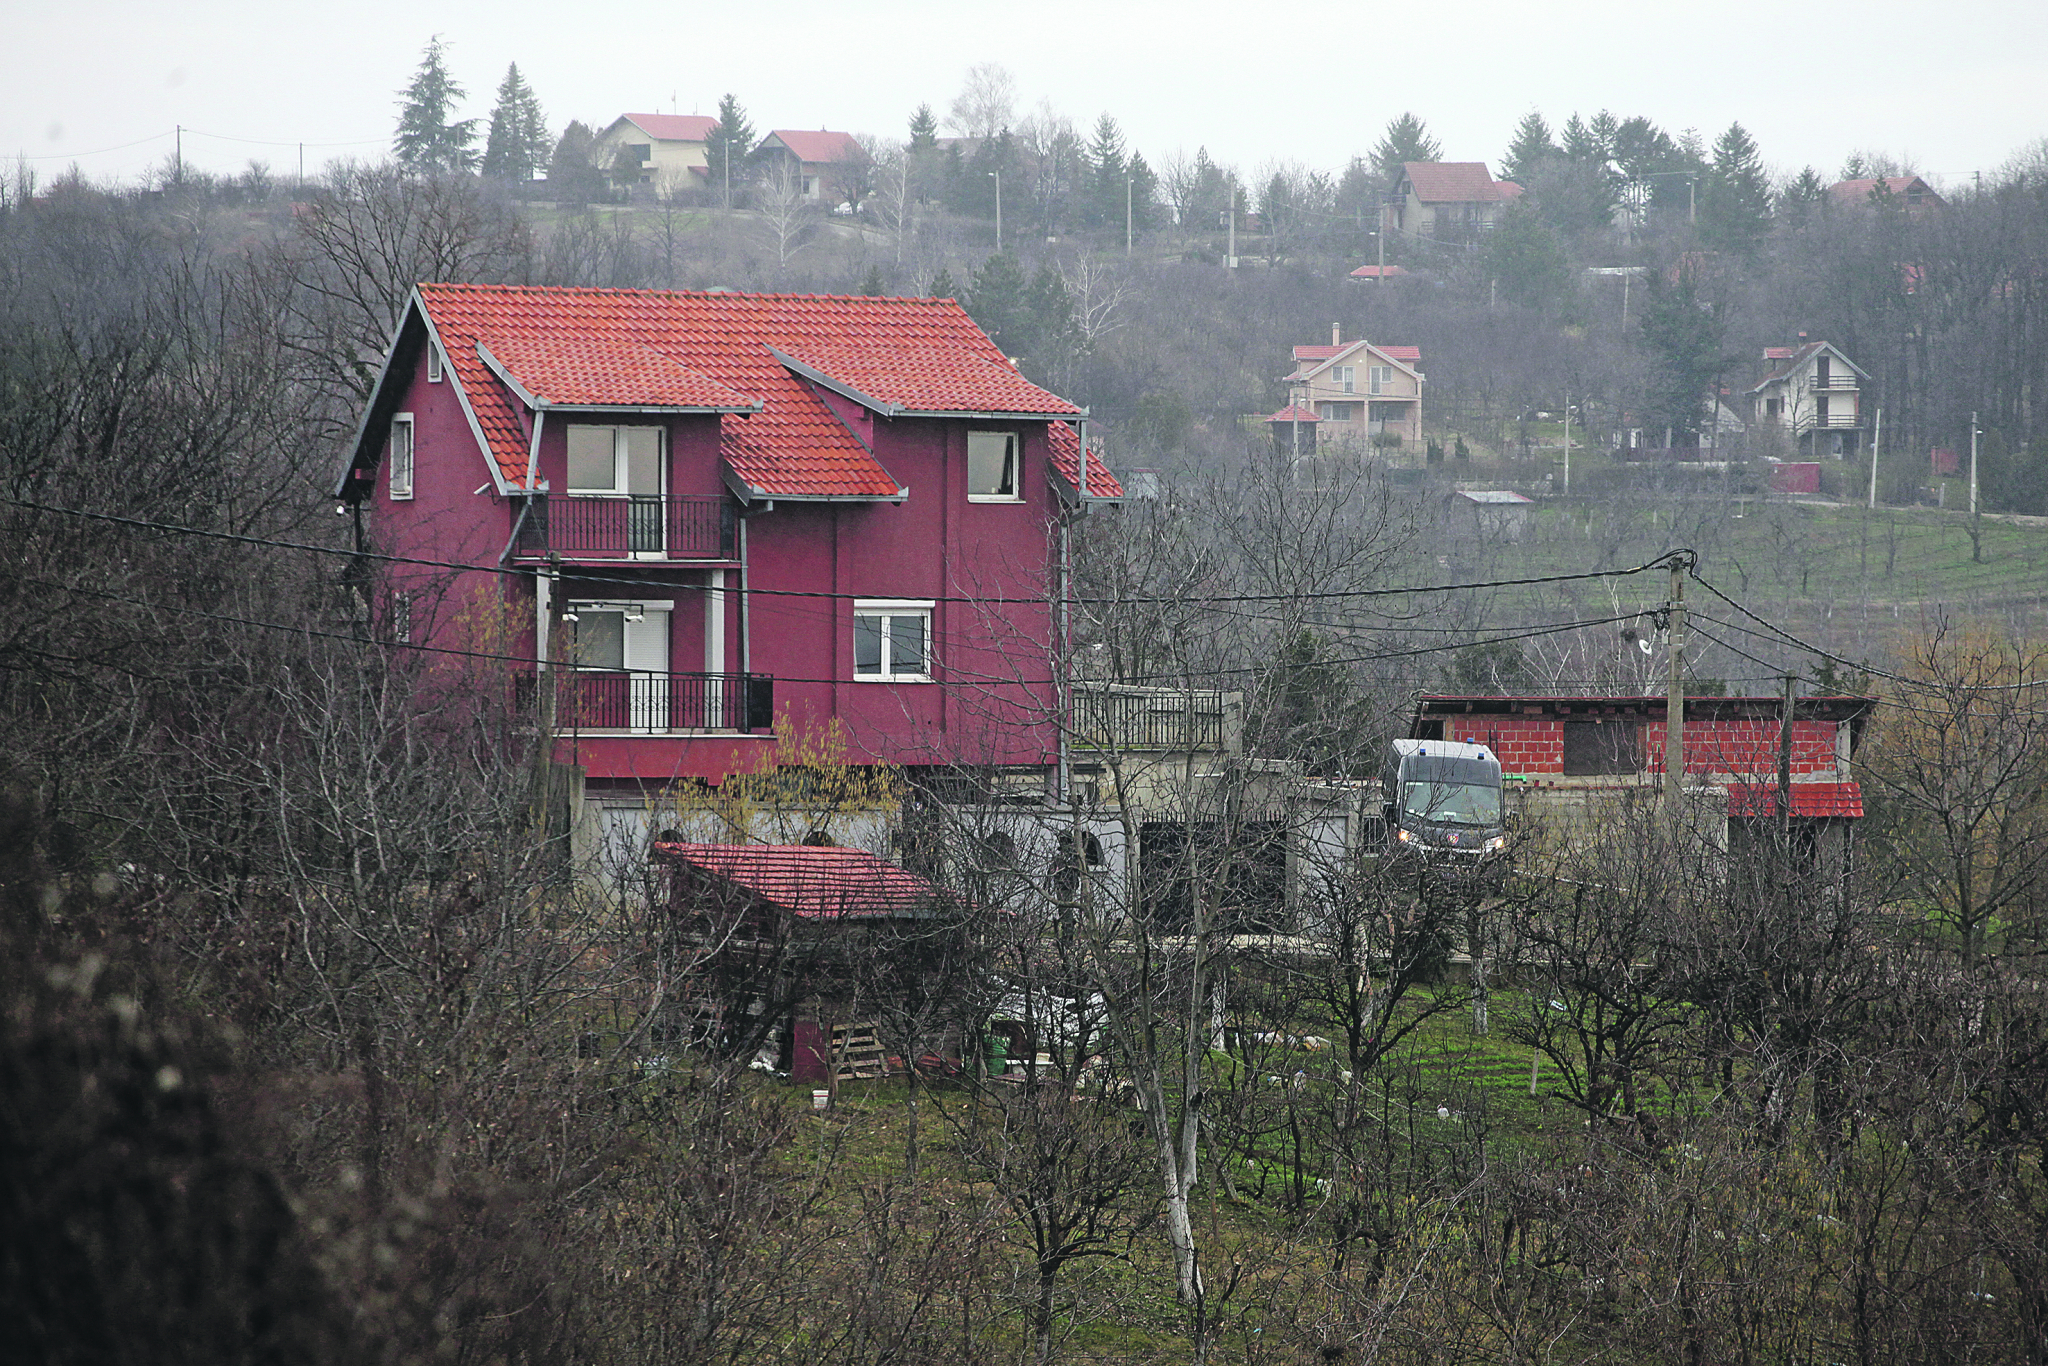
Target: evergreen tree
x=1581, y=143
x=518, y=143
x=871, y=285
x=573, y=176
x=1802, y=198
x=1683, y=333
x=999, y=301
x=1406, y=140
x=1735, y=201
x=427, y=143
x=1528, y=261
x=728, y=148
x=924, y=130
x=1106, y=171
x=942, y=286
x=1144, y=193
x=1529, y=150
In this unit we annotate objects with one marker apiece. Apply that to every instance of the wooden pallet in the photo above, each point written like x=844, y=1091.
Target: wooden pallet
x=857, y=1052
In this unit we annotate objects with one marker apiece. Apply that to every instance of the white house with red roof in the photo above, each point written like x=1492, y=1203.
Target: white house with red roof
x=1450, y=200
x=668, y=149
x=1353, y=391
x=1813, y=394
x=814, y=159
x=688, y=516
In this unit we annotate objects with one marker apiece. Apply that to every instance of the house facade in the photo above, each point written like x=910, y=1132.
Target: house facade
x=1454, y=201
x=696, y=516
x=1812, y=394
x=667, y=149
x=813, y=160
x=1356, y=391
x=1910, y=192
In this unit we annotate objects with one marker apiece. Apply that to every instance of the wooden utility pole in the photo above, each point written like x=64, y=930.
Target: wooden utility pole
x=1785, y=756
x=1674, y=719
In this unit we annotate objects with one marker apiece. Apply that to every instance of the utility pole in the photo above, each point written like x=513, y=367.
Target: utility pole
x=1381, y=278
x=1674, y=691
x=1567, y=442
x=1785, y=757
x=1230, y=253
x=999, y=210
x=1128, y=220
x=178, y=174
x=1876, y=441
x=1973, y=464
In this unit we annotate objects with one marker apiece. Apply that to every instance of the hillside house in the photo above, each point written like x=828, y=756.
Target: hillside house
x=1812, y=394
x=1452, y=201
x=663, y=150
x=701, y=514
x=815, y=161
x=1910, y=192
x=1356, y=390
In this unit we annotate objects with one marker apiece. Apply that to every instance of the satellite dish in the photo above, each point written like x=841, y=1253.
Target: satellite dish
x=1643, y=644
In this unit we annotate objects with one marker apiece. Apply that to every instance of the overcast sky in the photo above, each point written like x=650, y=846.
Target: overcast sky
x=1955, y=87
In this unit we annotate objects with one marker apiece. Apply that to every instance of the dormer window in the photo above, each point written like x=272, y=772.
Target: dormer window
x=992, y=468
x=615, y=460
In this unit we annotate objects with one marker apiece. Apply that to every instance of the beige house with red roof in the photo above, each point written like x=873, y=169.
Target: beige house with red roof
x=1915, y=194
x=1450, y=200
x=668, y=149
x=814, y=158
x=1355, y=391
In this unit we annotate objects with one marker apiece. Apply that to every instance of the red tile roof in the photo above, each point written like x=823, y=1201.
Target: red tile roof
x=1455, y=182
x=1407, y=355
x=922, y=379
x=1066, y=463
x=1813, y=800
x=1294, y=412
x=605, y=372
x=794, y=447
x=815, y=145
x=1375, y=273
x=811, y=883
x=674, y=127
x=1859, y=191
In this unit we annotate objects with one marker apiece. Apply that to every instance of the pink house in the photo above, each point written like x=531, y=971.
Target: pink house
x=698, y=513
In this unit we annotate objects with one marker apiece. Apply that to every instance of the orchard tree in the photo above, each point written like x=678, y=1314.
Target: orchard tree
x=427, y=141
x=517, y=145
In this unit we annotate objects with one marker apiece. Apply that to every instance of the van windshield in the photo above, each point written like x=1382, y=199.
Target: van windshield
x=1451, y=803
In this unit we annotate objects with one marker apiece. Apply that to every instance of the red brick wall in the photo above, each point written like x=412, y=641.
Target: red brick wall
x=1535, y=744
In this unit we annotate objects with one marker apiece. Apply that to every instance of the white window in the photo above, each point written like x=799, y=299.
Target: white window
x=399, y=458
x=1337, y=412
x=892, y=641
x=1382, y=379
x=615, y=460
x=433, y=362
x=992, y=467
x=1345, y=377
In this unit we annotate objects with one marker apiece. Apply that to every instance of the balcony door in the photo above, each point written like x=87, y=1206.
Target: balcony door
x=621, y=655
x=625, y=466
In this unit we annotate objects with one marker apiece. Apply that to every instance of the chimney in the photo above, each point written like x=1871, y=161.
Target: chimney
x=1802, y=339
x=1336, y=334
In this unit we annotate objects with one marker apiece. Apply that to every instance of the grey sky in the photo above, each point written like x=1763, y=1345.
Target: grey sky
x=1956, y=88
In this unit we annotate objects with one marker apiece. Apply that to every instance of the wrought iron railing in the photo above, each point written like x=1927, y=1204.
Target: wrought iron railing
x=1148, y=719
x=587, y=699
x=695, y=528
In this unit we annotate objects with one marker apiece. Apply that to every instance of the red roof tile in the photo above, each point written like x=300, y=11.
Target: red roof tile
x=1454, y=182
x=815, y=145
x=1859, y=191
x=811, y=883
x=674, y=127
x=794, y=447
x=925, y=379
x=1066, y=450
x=1375, y=273
x=1812, y=800
x=1294, y=412
x=581, y=372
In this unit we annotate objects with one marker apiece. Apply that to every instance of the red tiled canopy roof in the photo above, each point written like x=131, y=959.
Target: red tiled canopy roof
x=1843, y=801
x=811, y=883
x=1294, y=412
x=725, y=345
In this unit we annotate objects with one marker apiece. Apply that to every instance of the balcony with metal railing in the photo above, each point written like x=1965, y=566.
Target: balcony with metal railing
x=588, y=700
x=1832, y=383
x=1124, y=717
x=638, y=527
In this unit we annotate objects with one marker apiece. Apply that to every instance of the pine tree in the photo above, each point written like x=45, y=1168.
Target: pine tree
x=1106, y=171
x=1735, y=201
x=728, y=147
x=573, y=177
x=1528, y=261
x=942, y=286
x=1406, y=140
x=1530, y=148
x=871, y=284
x=1144, y=193
x=1802, y=198
x=1580, y=143
x=518, y=143
x=924, y=130
x=426, y=142
x=998, y=299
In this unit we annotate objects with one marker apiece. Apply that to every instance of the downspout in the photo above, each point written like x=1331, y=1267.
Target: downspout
x=746, y=612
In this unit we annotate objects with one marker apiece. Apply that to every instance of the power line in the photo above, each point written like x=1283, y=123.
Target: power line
x=419, y=562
